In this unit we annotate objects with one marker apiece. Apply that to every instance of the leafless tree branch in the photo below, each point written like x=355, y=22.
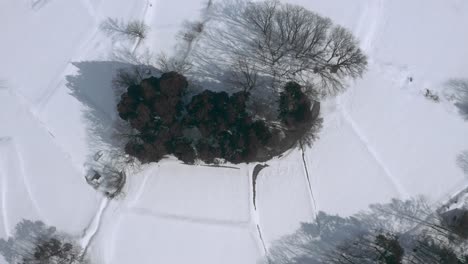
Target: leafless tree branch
x=116, y=28
x=283, y=41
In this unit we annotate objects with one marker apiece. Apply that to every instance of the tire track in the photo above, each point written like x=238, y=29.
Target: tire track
x=254, y=215
x=23, y=103
x=372, y=17
x=150, y=173
x=38, y=4
x=67, y=67
x=93, y=228
x=267, y=256
x=4, y=191
x=91, y=231
x=370, y=22
x=16, y=164
x=20, y=163
x=187, y=219
x=309, y=184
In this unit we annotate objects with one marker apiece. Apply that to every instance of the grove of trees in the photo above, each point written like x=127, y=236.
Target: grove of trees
x=33, y=242
x=245, y=42
x=399, y=232
x=261, y=66
x=206, y=126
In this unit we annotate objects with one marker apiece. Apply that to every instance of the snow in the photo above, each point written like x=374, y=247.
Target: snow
x=283, y=197
x=169, y=241
x=37, y=185
x=219, y=195
x=408, y=136
x=381, y=139
x=40, y=44
x=14, y=180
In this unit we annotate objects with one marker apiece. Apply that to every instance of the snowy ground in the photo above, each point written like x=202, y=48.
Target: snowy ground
x=381, y=139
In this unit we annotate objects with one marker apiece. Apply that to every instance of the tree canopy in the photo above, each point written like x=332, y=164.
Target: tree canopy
x=207, y=126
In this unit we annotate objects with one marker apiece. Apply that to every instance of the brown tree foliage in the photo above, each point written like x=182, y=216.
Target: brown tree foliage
x=211, y=126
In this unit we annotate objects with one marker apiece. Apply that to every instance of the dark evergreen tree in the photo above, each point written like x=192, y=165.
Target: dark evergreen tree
x=210, y=125
x=295, y=106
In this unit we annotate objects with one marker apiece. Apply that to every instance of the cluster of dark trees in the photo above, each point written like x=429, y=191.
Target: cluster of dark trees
x=207, y=126
x=36, y=243
x=276, y=55
x=399, y=232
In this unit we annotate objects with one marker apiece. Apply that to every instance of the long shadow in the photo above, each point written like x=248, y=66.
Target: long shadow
x=462, y=161
x=35, y=242
x=94, y=87
x=394, y=232
x=460, y=89
x=26, y=235
x=316, y=242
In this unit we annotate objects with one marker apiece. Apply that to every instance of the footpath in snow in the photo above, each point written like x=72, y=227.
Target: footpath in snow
x=381, y=139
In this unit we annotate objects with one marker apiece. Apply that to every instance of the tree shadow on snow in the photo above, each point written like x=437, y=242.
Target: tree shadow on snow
x=318, y=241
x=34, y=242
x=462, y=161
x=391, y=231
x=93, y=85
x=459, y=90
x=25, y=238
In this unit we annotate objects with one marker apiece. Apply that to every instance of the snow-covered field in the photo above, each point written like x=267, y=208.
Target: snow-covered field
x=381, y=139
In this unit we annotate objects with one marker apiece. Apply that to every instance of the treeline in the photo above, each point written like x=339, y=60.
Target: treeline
x=399, y=232
x=209, y=126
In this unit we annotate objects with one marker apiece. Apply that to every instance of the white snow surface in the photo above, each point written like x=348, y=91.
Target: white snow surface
x=381, y=139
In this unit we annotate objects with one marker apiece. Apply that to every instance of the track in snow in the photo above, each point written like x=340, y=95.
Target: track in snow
x=373, y=153
x=38, y=4
x=369, y=23
x=371, y=20
x=309, y=185
x=12, y=159
x=254, y=215
x=91, y=38
x=93, y=228
x=189, y=219
x=4, y=189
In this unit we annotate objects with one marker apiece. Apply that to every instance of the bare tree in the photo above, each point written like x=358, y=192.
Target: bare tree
x=116, y=28
x=36, y=243
x=400, y=232
x=338, y=240
x=412, y=215
x=168, y=64
x=244, y=76
x=283, y=41
x=132, y=75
